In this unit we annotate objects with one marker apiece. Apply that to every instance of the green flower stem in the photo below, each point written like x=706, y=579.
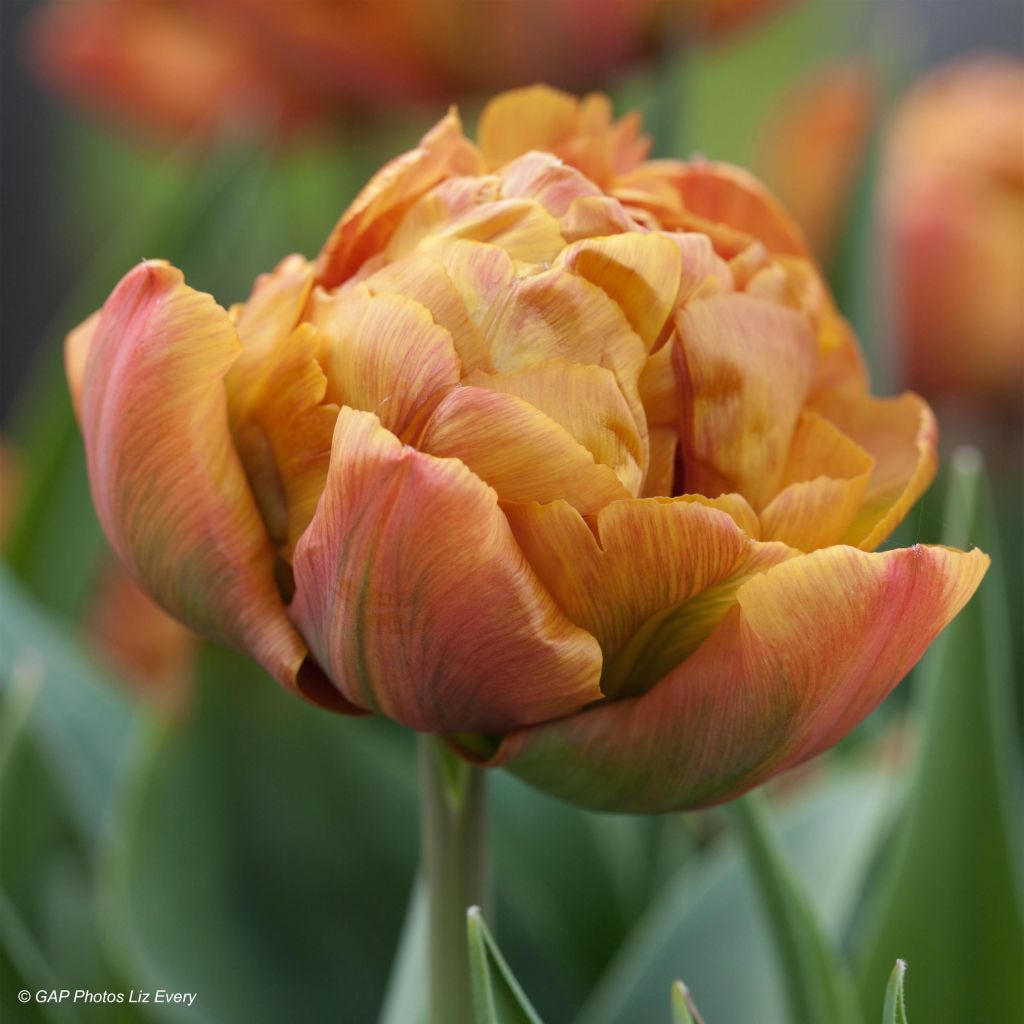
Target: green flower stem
x=818, y=983
x=453, y=851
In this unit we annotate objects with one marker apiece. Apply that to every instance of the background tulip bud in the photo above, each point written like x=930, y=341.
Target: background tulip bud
x=560, y=453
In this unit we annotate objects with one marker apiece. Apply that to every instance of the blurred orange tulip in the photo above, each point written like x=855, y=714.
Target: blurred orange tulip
x=176, y=66
x=952, y=201
x=562, y=454
x=813, y=148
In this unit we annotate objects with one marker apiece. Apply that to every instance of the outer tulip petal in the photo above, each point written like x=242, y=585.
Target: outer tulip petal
x=811, y=648
x=823, y=486
x=744, y=367
x=384, y=354
x=168, y=487
x=587, y=402
x=409, y=618
x=900, y=434
x=367, y=224
x=522, y=453
x=641, y=272
x=649, y=579
x=77, y=346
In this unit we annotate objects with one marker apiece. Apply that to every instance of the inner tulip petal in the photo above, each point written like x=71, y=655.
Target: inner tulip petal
x=412, y=592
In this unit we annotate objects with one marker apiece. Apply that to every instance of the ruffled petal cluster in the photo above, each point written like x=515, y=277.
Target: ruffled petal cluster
x=562, y=454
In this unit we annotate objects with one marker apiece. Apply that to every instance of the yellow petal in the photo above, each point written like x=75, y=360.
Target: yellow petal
x=649, y=581
x=76, y=354
x=523, y=454
x=384, y=354
x=744, y=367
x=585, y=401
x=900, y=434
x=536, y=117
x=822, y=487
x=412, y=592
x=366, y=226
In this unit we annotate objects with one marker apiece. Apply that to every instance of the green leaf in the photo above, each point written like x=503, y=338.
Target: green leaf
x=895, y=1009
x=817, y=980
x=497, y=997
x=683, y=1010
x=704, y=924
x=948, y=899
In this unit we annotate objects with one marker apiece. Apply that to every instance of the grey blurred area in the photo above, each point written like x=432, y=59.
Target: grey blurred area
x=34, y=264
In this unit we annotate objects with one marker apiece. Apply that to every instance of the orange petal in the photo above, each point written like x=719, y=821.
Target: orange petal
x=823, y=486
x=536, y=117
x=650, y=580
x=545, y=179
x=640, y=272
x=168, y=487
x=587, y=402
x=744, y=366
x=812, y=647
x=76, y=354
x=367, y=224
x=522, y=227
x=522, y=453
x=900, y=434
x=411, y=590
x=384, y=354
x=425, y=280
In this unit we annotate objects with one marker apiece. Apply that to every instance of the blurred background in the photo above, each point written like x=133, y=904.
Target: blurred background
x=169, y=819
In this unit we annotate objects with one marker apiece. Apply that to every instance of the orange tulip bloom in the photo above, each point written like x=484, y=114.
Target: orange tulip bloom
x=180, y=65
x=952, y=196
x=561, y=454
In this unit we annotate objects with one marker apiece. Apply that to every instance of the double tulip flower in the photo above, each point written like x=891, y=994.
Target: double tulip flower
x=564, y=455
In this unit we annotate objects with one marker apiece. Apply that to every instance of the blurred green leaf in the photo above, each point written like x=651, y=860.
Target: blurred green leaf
x=948, y=899
x=703, y=924
x=895, y=1009
x=682, y=1004
x=261, y=854
x=497, y=996
x=406, y=998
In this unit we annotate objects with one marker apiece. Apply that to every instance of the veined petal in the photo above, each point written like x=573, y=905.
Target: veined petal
x=587, y=402
x=366, y=226
x=384, y=354
x=822, y=488
x=412, y=592
x=592, y=216
x=545, y=179
x=900, y=434
x=811, y=648
x=650, y=580
x=522, y=227
x=425, y=280
x=744, y=366
x=513, y=446
x=640, y=272
x=168, y=487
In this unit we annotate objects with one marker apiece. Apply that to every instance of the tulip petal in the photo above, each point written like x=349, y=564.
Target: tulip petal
x=640, y=272
x=811, y=648
x=744, y=366
x=366, y=226
x=411, y=590
x=522, y=453
x=592, y=216
x=168, y=487
x=77, y=346
x=384, y=354
x=587, y=402
x=545, y=179
x=522, y=227
x=536, y=117
x=649, y=579
x=900, y=434
x=823, y=486
x=425, y=280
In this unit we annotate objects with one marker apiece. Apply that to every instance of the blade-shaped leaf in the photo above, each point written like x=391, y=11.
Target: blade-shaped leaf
x=497, y=997
x=683, y=1010
x=895, y=1009
x=405, y=1001
x=948, y=899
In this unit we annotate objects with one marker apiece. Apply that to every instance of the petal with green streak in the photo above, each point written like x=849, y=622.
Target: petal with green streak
x=809, y=649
